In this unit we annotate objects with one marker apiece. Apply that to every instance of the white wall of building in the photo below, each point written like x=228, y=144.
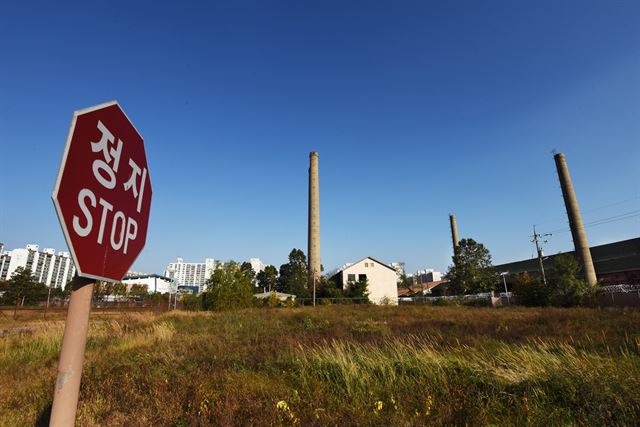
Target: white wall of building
x=153, y=282
x=427, y=275
x=257, y=265
x=382, y=279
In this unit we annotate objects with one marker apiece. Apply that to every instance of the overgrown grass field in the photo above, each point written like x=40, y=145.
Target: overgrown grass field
x=338, y=365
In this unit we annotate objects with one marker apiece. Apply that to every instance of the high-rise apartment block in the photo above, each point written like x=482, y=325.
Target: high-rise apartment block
x=191, y=273
x=54, y=270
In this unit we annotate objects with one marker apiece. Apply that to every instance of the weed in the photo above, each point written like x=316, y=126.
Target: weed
x=338, y=365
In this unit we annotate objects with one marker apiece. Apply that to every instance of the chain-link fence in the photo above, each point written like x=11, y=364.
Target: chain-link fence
x=621, y=295
x=46, y=305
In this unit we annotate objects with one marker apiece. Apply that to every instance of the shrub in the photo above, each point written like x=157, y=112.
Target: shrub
x=568, y=290
x=192, y=302
x=474, y=302
x=442, y=302
x=530, y=292
x=358, y=291
x=228, y=288
x=290, y=302
x=273, y=300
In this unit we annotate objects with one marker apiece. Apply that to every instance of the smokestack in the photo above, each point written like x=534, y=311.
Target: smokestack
x=313, y=250
x=454, y=231
x=575, y=219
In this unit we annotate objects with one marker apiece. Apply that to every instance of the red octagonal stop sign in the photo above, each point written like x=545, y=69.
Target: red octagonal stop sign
x=103, y=192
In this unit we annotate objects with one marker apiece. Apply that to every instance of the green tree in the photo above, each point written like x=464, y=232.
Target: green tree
x=192, y=302
x=119, y=289
x=248, y=271
x=69, y=287
x=138, y=290
x=57, y=293
x=229, y=287
x=158, y=298
x=568, y=290
x=471, y=271
x=531, y=292
x=358, y=291
x=23, y=288
x=98, y=289
x=293, y=275
x=328, y=289
x=268, y=278
x=406, y=282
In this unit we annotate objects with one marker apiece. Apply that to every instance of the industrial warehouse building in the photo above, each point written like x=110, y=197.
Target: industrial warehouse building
x=615, y=263
x=382, y=279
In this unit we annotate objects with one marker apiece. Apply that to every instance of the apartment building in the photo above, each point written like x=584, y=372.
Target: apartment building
x=48, y=267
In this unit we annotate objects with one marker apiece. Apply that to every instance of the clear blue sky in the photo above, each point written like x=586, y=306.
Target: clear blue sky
x=417, y=109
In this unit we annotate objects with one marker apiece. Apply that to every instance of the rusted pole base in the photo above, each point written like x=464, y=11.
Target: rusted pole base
x=65, y=396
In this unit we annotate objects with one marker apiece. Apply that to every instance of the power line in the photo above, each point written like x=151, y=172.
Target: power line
x=598, y=208
x=615, y=218
x=612, y=204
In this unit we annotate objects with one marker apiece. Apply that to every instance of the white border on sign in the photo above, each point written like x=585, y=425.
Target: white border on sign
x=54, y=194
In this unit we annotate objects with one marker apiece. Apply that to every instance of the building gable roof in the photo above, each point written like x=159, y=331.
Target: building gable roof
x=357, y=262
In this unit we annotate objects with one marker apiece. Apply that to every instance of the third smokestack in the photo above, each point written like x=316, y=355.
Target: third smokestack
x=575, y=219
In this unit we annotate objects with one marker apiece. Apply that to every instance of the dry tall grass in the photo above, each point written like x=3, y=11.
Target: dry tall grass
x=337, y=365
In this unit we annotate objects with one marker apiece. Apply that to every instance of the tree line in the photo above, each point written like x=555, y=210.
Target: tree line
x=22, y=289
x=233, y=285
x=472, y=272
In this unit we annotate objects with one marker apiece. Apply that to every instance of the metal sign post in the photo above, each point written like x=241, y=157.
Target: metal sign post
x=65, y=397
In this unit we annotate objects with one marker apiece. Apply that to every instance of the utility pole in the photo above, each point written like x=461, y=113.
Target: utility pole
x=536, y=239
x=504, y=282
x=46, y=307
